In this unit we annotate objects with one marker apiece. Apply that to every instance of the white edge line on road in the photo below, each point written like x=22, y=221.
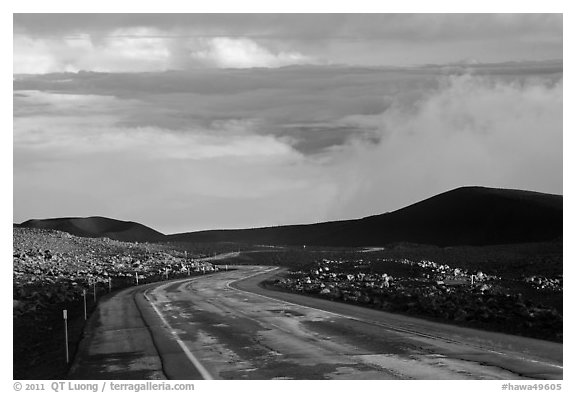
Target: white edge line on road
x=355, y=318
x=201, y=369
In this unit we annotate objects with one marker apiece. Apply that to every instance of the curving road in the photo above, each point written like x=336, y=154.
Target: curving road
x=224, y=326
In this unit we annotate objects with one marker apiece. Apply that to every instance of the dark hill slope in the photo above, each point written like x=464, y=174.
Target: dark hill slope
x=464, y=216
x=98, y=227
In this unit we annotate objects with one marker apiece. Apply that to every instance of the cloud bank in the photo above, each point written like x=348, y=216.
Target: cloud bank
x=141, y=50
x=46, y=43
x=229, y=149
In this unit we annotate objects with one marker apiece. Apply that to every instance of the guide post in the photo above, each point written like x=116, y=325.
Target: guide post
x=65, y=315
x=84, y=298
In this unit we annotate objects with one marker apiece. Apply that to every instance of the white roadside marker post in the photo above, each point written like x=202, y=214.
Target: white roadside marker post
x=84, y=296
x=166, y=272
x=109, y=284
x=136, y=278
x=65, y=315
x=188, y=268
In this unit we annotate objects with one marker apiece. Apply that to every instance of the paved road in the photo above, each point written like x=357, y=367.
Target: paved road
x=224, y=326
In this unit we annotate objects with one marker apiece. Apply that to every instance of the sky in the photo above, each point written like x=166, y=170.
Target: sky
x=187, y=121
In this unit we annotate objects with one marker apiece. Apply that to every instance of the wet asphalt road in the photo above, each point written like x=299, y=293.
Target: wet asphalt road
x=223, y=326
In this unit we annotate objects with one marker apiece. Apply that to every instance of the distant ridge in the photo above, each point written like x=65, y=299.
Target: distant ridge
x=464, y=216
x=98, y=227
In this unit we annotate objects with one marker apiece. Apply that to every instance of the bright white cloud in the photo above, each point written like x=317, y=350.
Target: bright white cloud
x=123, y=50
x=62, y=131
x=471, y=131
x=141, y=50
x=224, y=52
x=33, y=56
